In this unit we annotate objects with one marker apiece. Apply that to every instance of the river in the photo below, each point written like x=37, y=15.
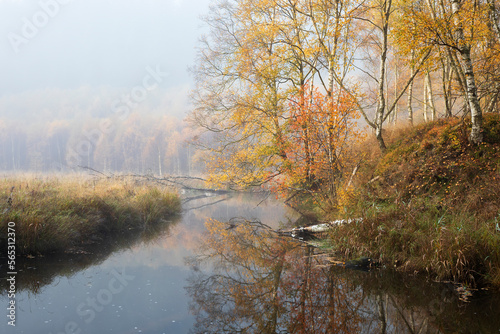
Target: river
x=201, y=274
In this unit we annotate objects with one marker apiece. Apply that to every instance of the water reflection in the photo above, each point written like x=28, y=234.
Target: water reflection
x=54, y=294
x=246, y=279
x=36, y=272
x=243, y=279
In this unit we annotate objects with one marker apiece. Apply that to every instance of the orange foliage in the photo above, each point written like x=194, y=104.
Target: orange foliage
x=321, y=129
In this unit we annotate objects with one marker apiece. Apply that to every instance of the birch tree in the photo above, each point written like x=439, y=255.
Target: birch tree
x=377, y=18
x=260, y=57
x=456, y=26
x=239, y=94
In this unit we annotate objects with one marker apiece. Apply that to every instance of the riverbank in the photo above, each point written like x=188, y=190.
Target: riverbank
x=70, y=214
x=430, y=204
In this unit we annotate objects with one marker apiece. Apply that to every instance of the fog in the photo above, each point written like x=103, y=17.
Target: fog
x=85, y=61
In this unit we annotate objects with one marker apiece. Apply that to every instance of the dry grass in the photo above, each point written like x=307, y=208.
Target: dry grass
x=63, y=214
x=435, y=205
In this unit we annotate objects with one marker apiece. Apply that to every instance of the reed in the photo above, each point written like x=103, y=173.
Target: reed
x=68, y=214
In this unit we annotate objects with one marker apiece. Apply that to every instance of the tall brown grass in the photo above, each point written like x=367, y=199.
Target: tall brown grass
x=65, y=214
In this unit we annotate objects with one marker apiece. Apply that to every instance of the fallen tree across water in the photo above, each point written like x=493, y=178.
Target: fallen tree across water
x=298, y=232
x=182, y=182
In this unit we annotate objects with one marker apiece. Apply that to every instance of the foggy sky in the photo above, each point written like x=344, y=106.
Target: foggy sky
x=88, y=53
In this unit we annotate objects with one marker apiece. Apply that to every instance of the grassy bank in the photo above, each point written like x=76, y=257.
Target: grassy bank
x=430, y=204
x=68, y=214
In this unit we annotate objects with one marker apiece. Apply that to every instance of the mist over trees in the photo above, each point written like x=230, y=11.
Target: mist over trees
x=281, y=86
x=56, y=129
x=141, y=143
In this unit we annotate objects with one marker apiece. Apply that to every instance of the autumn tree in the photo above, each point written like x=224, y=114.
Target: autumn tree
x=239, y=94
x=457, y=27
x=256, y=91
x=377, y=19
x=321, y=130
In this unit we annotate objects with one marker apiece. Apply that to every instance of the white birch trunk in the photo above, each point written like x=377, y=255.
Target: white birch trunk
x=381, y=105
x=396, y=109
x=425, y=100
x=410, y=89
x=430, y=95
x=476, y=135
x=494, y=19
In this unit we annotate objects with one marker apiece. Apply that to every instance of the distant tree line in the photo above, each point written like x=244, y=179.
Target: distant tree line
x=141, y=144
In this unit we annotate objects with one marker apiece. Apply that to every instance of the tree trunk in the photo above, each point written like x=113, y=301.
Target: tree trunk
x=446, y=77
x=494, y=19
x=426, y=103
x=305, y=131
x=309, y=155
x=491, y=106
x=430, y=96
x=476, y=135
x=159, y=162
x=381, y=105
x=455, y=64
x=396, y=109
x=410, y=89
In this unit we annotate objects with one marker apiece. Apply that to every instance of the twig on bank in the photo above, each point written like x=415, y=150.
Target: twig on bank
x=96, y=171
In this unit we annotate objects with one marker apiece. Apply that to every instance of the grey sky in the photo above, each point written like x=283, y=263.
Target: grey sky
x=55, y=48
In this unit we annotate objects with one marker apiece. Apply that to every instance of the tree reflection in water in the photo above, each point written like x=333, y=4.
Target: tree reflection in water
x=247, y=279
x=263, y=283
x=38, y=272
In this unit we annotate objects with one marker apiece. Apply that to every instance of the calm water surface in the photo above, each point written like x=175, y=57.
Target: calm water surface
x=201, y=274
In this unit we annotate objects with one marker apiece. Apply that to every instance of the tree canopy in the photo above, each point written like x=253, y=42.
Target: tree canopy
x=281, y=84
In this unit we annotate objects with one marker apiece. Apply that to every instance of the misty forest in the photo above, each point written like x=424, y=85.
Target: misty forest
x=317, y=166
x=64, y=140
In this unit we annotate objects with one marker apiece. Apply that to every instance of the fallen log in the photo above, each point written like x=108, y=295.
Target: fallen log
x=300, y=232
x=325, y=227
